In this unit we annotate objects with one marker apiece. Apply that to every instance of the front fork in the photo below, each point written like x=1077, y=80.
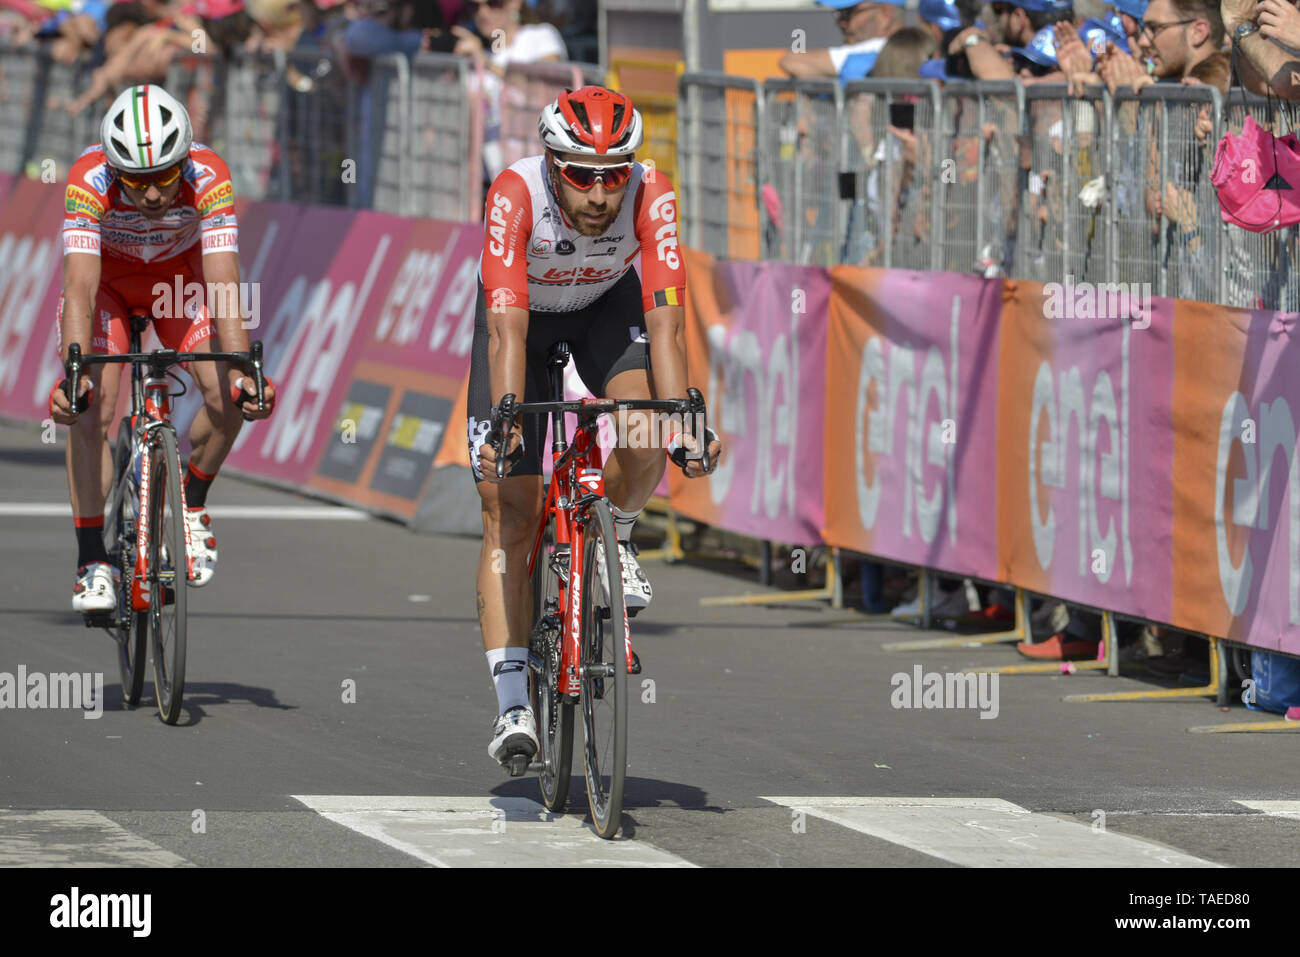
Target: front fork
x=570, y=679
x=140, y=576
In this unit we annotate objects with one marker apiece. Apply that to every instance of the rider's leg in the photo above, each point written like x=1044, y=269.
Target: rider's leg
x=637, y=464
x=512, y=511
x=89, y=459
x=217, y=423
x=90, y=464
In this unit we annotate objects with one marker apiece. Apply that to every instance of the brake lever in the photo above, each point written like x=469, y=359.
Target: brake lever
x=72, y=370
x=698, y=409
x=255, y=353
x=499, y=435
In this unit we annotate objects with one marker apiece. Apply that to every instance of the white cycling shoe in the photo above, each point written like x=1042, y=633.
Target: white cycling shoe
x=636, y=587
x=514, y=732
x=203, y=547
x=96, y=588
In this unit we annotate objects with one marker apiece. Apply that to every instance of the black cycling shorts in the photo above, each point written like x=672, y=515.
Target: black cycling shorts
x=606, y=338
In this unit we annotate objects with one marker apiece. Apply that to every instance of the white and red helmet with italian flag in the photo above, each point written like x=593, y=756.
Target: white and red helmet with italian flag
x=593, y=121
x=146, y=129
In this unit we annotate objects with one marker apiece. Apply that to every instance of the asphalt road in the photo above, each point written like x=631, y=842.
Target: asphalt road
x=769, y=736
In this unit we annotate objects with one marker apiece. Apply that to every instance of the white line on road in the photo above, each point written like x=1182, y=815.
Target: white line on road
x=295, y=513
x=484, y=832
x=988, y=832
x=1289, y=809
x=75, y=839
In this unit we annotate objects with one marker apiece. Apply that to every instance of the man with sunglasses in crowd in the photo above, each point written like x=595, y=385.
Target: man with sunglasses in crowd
x=1017, y=23
x=148, y=210
x=562, y=231
x=865, y=26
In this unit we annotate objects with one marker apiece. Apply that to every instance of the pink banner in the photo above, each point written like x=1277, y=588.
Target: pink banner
x=323, y=299
x=756, y=347
x=1085, y=504
x=911, y=444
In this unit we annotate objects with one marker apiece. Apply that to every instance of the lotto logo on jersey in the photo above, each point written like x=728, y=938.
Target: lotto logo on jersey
x=79, y=201
x=577, y=272
x=219, y=197
x=497, y=230
x=665, y=208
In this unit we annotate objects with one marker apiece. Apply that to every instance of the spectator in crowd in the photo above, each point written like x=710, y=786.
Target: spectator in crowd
x=1017, y=24
x=866, y=26
x=381, y=27
x=508, y=32
x=505, y=32
x=1268, y=35
x=577, y=22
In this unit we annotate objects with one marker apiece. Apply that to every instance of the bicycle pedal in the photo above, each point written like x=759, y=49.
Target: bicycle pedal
x=169, y=596
x=98, y=619
x=517, y=765
x=632, y=611
x=636, y=665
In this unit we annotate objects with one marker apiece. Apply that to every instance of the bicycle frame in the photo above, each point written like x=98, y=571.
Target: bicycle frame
x=581, y=464
x=151, y=409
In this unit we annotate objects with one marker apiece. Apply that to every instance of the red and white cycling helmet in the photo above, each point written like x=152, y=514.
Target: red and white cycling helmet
x=146, y=129
x=593, y=121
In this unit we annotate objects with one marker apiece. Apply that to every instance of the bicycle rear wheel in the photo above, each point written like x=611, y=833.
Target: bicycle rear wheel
x=603, y=672
x=554, y=714
x=167, y=574
x=131, y=629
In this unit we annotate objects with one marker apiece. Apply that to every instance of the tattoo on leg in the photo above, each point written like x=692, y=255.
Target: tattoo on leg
x=482, y=605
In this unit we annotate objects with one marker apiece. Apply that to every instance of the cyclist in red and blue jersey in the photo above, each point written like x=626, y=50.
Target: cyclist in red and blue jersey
x=148, y=213
x=563, y=230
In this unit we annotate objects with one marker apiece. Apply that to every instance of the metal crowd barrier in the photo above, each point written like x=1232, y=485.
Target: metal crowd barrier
x=446, y=141
x=1166, y=213
x=803, y=152
x=1064, y=224
x=891, y=176
x=718, y=163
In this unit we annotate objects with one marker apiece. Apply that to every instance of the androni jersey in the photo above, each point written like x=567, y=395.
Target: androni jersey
x=101, y=221
x=533, y=258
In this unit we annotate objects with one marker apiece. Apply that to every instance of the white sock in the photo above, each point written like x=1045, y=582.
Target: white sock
x=509, y=670
x=623, y=522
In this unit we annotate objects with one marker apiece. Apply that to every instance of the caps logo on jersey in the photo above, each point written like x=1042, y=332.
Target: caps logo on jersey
x=497, y=231
x=79, y=201
x=564, y=247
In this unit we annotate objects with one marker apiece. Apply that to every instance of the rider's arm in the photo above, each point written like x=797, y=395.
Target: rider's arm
x=505, y=281
x=80, y=284
x=221, y=274
x=663, y=284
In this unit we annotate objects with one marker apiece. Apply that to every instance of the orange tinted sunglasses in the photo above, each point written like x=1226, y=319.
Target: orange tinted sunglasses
x=142, y=183
x=584, y=177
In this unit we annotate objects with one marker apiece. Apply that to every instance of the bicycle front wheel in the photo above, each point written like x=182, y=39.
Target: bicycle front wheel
x=166, y=578
x=554, y=713
x=131, y=628
x=603, y=670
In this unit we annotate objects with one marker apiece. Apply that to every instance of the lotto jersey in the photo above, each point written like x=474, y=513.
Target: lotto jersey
x=533, y=258
x=101, y=221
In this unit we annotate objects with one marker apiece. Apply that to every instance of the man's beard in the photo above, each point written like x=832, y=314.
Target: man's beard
x=609, y=214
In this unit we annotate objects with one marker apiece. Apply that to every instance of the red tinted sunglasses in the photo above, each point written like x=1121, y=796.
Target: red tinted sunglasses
x=584, y=177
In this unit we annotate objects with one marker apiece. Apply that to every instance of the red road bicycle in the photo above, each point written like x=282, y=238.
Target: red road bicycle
x=580, y=647
x=144, y=518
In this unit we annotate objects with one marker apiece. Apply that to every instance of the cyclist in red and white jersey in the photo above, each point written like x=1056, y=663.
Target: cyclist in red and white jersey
x=148, y=212
x=563, y=230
